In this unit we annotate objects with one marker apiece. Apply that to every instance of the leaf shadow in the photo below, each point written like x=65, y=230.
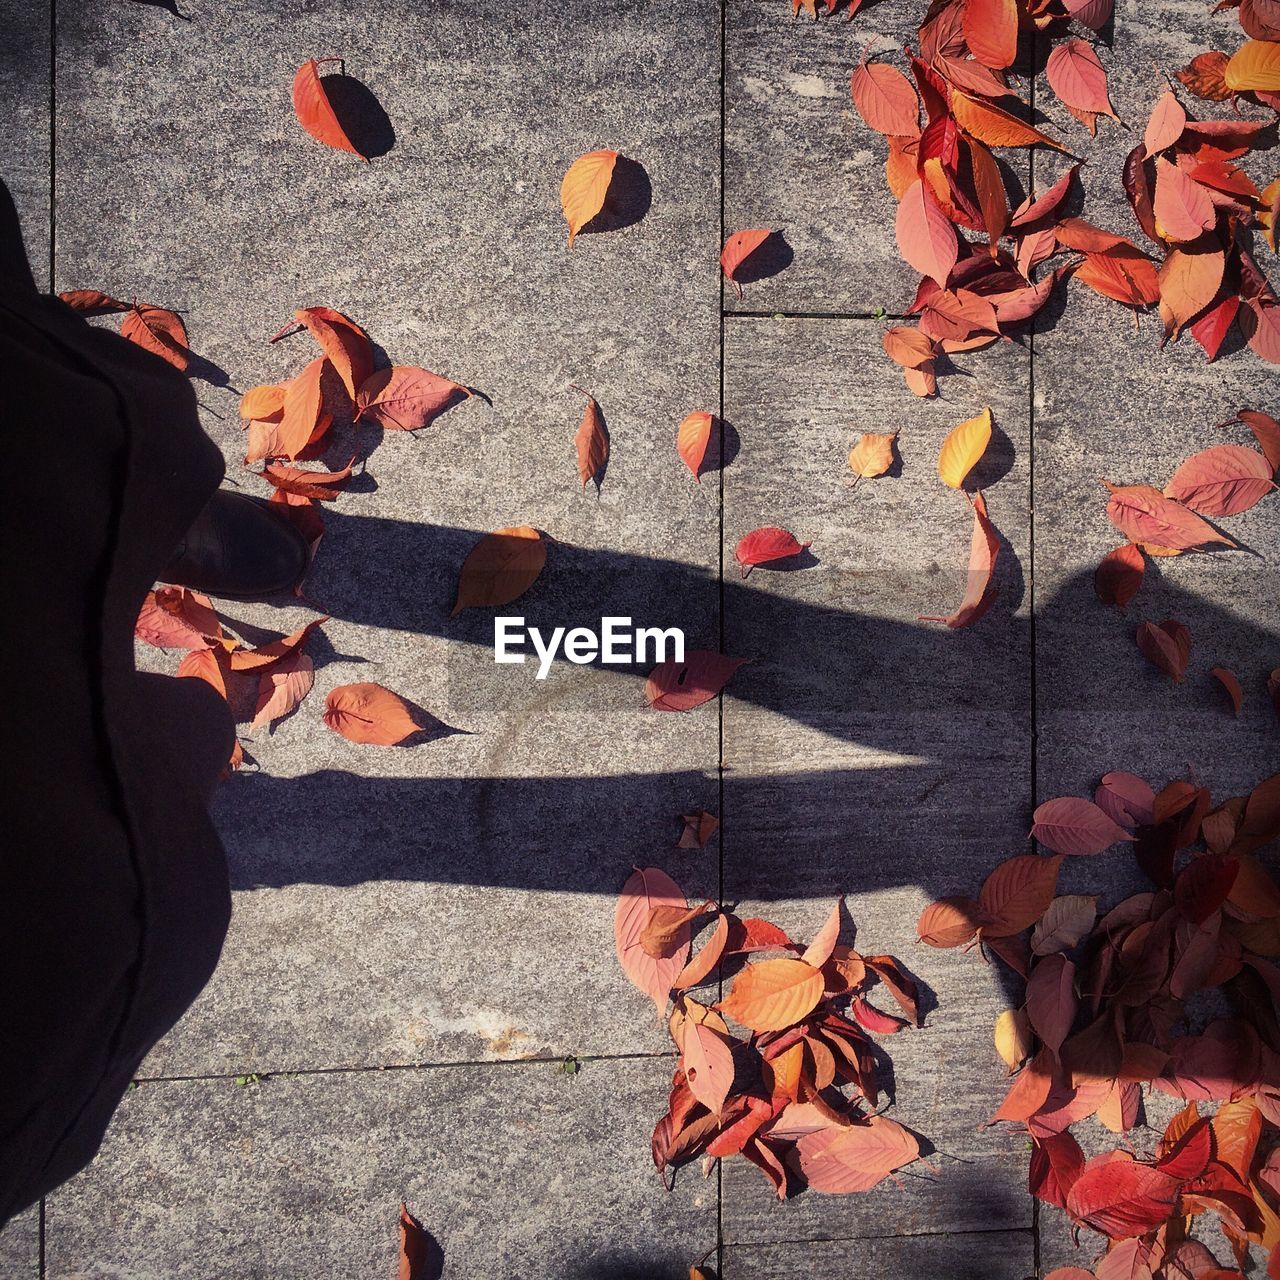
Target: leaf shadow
x=772, y=257
x=627, y=201
x=360, y=114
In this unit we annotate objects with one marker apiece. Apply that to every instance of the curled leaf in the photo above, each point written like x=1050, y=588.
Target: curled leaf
x=314, y=110
x=765, y=545
x=406, y=398
x=980, y=593
x=584, y=188
x=1167, y=646
x=591, y=443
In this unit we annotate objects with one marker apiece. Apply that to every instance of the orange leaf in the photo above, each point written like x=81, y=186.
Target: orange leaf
x=315, y=112
x=584, y=188
x=1168, y=120
x=592, y=443
x=767, y=544
x=263, y=403
x=159, y=331
x=206, y=665
x=708, y=1064
x=1182, y=206
x=984, y=549
x=502, y=566
x=177, y=618
x=303, y=403
x=926, y=237
x=909, y=347
x=92, y=301
x=1222, y=481
x=1144, y=514
x=681, y=686
x=1119, y=575
x=321, y=486
x=1255, y=65
x=1203, y=75
x=886, y=99
x=1189, y=281
x=994, y=127
x=692, y=439
x=1124, y=273
x=873, y=455
x=1167, y=646
x=343, y=341
x=1229, y=681
x=281, y=687
x=698, y=829
x=1071, y=824
x=369, y=713
x=1017, y=893
x=668, y=928
x=818, y=952
x=991, y=31
x=773, y=994
x=962, y=449
x=737, y=249
x=645, y=890
x=406, y=398
x=949, y=923
x=847, y=1158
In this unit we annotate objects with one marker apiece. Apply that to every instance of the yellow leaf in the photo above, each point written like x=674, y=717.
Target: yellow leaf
x=584, y=187
x=873, y=455
x=962, y=448
x=773, y=994
x=1255, y=65
x=1013, y=1038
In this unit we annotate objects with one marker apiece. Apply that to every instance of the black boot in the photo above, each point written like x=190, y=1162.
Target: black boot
x=239, y=547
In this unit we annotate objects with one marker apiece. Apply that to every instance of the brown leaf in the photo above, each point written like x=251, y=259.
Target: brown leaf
x=667, y=929
x=501, y=567
x=1167, y=646
x=1067, y=921
x=1051, y=1000
x=591, y=443
x=92, y=302
x=369, y=713
x=1071, y=824
x=420, y=1256
x=697, y=830
x=1119, y=575
x=1203, y=75
x=950, y=922
x=1230, y=682
x=1017, y=893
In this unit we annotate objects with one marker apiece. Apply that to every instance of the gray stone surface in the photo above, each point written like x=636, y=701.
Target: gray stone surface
x=799, y=159
x=24, y=143
x=450, y=249
x=20, y=1245
x=981, y=1255
x=870, y=753
x=516, y=1170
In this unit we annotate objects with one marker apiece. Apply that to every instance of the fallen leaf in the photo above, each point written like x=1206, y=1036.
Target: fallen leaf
x=1126, y=798
x=501, y=567
x=700, y=967
x=314, y=110
x=909, y=347
x=963, y=448
x=1119, y=575
x=984, y=550
x=159, y=331
x=1222, y=481
x=738, y=248
x=697, y=830
x=1120, y=1197
x=1190, y=278
x=1167, y=646
x=950, y=922
x=591, y=443
x=1017, y=893
x=1266, y=430
x=681, y=686
x=926, y=238
x=1123, y=273
x=692, y=438
x=843, y=1159
x=1079, y=79
x=1013, y=1038
x=1073, y=825
x=177, y=618
x=991, y=31
x=994, y=127
x=1051, y=1000
x=92, y=302
x=1255, y=65
x=668, y=928
x=1164, y=128
x=206, y=665
x=885, y=99
x=344, y=342
x=818, y=952
x=1182, y=206
x=369, y=713
x=406, y=398
x=302, y=409
x=766, y=544
x=1064, y=924
x=771, y=995
x=281, y=687
x=1229, y=681
x=873, y=455
x=1204, y=76
x=1145, y=515
x=263, y=403
x=420, y=1255
x=708, y=1064
x=584, y=188
x=646, y=890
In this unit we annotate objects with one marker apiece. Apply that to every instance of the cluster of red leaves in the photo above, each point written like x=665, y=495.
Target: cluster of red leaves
x=1223, y=480
x=155, y=329
x=1109, y=1009
x=1192, y=201
x=262, y=684
x=773, y=1094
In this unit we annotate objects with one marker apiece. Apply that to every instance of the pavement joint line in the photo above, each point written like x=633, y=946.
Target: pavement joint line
x=284, y=1073
x=743, y=314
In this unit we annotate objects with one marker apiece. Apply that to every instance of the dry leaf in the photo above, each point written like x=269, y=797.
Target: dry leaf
x=1255, y=65
x=584, y=188
x=1013, y=1038
x=263, y=403
x=1167, y=646
x=1078, y=78
x=1073, y=825
x=1222, y=481
x=980, y=593
x=501, y=567
x=926, y=238
x=646, y=890
x=697, y=830
x=873, y=455
x=737, y=249
x=692, y=439
x=681, y=686
x=842, y=1159
x=369, y=713
x=344, y=342
x=1119, y=575
x=281, y=687
x=406, y=398
x=885, y=99
x=159, y=331
x=1064, y=924
x=771, y=995
x=1229, y=681
x=314, y=110
x=766, y=544
x=301, y=412
x=1145, y=515
x=963, y=448
x=1164, y=128
x=591, y=443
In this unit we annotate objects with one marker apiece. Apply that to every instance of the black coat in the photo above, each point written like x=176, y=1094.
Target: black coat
x=113, y=885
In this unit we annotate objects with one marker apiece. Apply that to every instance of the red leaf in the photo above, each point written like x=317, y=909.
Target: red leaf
x=681, y=686
x=692, y=439
x=1119, y=575
x=281, y=687
x=855, y=1157
x=92, y=302
x=1211, y=329
x=646, y=890
x=1120, y=1197
x=1168, y=120
x=886, y=100
x=421, y=1257
x=406, y=398
x=1074, y=825
x=1167, y=646
x=1126, y=799
x=315, y=112
x=925, y=234
x=321, y=486
x=1229, y=681
x=1266, y=430
x=991, y=31
x=1051, y=1000
x=1144, y=514
x=1017, y=893
x=343, y=341
x=1056, y=1163
x=369, y=713
x=1078, y=78
x=1204, y=884
x=1190, y=1155
x=984, y=550
x=1029, y=212
x=1222, y=481
x=766, y=544
x=739, y=247
x=1182, y=207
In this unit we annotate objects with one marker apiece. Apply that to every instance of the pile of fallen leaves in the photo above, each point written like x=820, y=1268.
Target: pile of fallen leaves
x=1171, y=991
x=772, y=1094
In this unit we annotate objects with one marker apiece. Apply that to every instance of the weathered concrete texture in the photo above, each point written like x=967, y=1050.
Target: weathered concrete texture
x=20, y=1246
x=981, y=1255
x=24, y=143
x=450, y=248
x=515, y=1170
x=799, y=159
x=876, y=755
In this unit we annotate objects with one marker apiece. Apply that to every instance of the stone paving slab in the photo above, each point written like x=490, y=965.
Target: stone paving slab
x=20, y=1245
x=516, y=1170
x=24, y=146
x=450, y=249
x=878, y=756
x=800, y=160
x=981, y=1255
